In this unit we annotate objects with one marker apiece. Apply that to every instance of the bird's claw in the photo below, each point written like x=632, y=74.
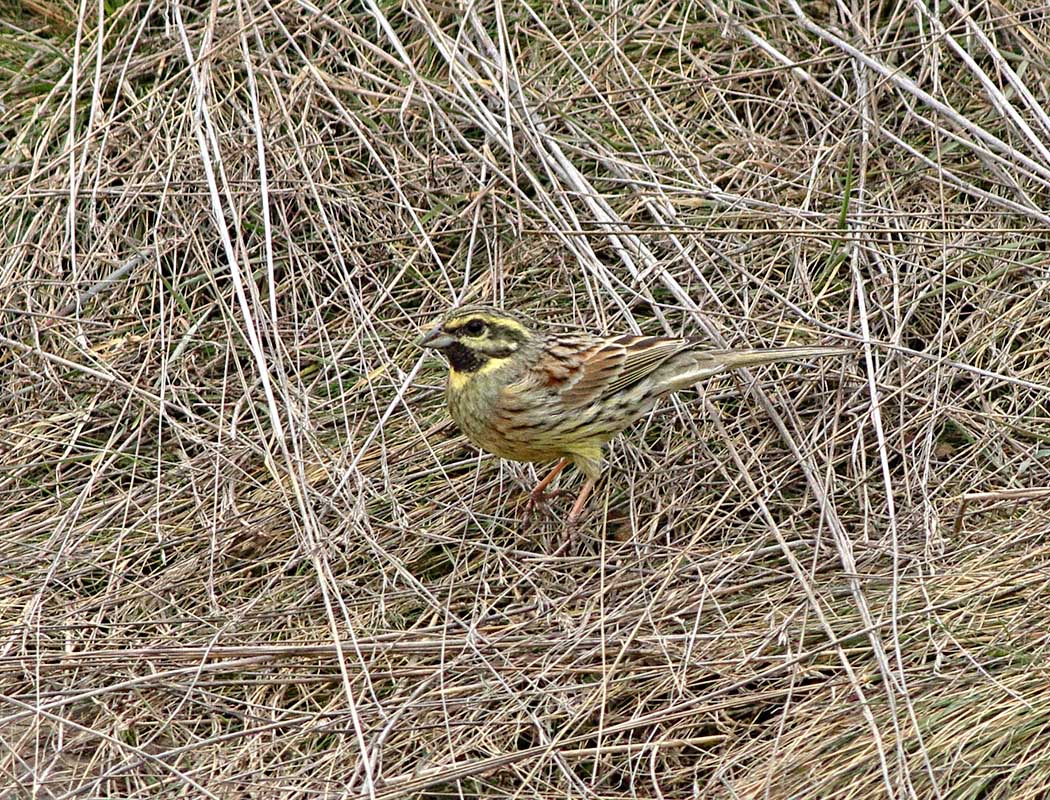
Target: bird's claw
x=541, y=500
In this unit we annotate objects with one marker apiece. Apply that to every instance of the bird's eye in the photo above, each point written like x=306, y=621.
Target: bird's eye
x=475, y=327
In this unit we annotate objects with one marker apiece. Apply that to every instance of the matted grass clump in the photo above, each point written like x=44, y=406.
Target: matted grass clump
x=246, y=553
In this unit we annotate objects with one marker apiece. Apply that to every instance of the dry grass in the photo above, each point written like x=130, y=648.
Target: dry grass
x=246, y=555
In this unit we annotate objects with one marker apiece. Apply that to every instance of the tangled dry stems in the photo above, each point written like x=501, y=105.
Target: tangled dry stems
x=247, y=555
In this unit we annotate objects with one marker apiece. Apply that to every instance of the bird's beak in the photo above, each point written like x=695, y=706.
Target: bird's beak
x=437, y=339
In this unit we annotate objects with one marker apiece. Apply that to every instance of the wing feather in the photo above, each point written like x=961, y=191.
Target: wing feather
x=645, y=355
x=597, y=369
x=583, y=369
x=607, y=366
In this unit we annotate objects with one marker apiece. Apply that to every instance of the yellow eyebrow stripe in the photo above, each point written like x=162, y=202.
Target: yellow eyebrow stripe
x=507, y=322
x=490, y=319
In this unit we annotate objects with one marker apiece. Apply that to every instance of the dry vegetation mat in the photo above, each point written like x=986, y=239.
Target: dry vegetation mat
x=246, y=554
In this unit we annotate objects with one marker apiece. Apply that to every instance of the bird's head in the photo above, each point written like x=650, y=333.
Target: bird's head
x=479, y=338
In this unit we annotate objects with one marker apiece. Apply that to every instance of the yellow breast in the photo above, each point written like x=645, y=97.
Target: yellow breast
x=476, y=403
x=494, y=418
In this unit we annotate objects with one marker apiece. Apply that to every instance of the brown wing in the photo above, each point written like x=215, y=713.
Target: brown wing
x=605, y=366
x=645, y=355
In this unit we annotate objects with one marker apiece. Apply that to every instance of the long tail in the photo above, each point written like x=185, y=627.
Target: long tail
x=734, y=359
x=706, y=363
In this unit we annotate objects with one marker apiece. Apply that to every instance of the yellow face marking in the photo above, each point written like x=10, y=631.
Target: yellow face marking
x=458, y=380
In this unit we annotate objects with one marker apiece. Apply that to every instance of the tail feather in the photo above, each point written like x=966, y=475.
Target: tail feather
x=711, y=362
x=735, y=359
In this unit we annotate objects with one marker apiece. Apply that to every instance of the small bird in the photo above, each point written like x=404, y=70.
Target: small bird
x=527, y=394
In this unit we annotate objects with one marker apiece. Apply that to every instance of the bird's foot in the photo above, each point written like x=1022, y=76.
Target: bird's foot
x=568, y=540
x=540, y=500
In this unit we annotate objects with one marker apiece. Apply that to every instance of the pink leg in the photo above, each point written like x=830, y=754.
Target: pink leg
x=577, y=507
x=536, y=495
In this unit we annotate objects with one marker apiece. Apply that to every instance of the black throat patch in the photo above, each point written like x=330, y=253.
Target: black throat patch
x=463, y=359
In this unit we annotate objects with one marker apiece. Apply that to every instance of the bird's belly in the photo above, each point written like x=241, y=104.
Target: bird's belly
x=505, y=441
x=521, y=434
